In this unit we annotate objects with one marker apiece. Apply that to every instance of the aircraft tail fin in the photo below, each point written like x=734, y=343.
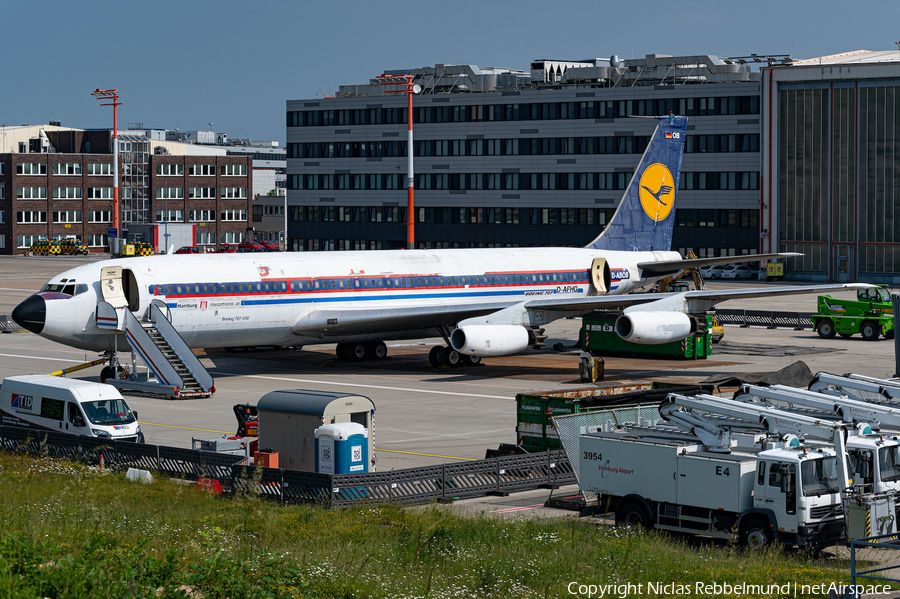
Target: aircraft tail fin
x=645, y=217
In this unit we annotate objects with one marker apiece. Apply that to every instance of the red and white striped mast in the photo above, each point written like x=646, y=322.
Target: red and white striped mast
x=113, y=94
x=409, y=88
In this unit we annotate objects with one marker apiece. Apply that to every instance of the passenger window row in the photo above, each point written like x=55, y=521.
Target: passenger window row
x=265, y=287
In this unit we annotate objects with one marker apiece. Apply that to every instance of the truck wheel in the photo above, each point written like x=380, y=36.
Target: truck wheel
x=869, y=330
x=825, y=328
x=756, y=534
x=632, y=514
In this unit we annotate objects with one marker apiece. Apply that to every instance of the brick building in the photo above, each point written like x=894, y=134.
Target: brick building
x=60, y=185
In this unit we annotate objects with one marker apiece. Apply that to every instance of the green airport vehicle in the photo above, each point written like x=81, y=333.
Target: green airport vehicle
x=871, y=315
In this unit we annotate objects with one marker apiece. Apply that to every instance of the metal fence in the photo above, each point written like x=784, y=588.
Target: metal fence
x=766, y=318
x=881, y=543
x=444, y=482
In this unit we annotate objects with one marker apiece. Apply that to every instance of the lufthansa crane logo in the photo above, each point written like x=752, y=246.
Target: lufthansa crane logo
x=657, y=191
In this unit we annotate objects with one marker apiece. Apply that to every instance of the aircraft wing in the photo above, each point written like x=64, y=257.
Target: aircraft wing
x=334, y=320
x=337, y=321
x=696, y=301
x=672, y=266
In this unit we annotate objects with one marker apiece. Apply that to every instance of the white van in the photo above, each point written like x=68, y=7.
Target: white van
x=52, y=403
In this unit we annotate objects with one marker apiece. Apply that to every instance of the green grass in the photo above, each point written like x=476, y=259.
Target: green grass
x=73, y=531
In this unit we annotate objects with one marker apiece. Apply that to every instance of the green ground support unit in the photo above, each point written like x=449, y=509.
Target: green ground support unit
x=598, y=335
x=534, y=424
x=871, y=315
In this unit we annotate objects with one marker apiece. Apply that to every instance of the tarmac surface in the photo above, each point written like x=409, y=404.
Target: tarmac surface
x=425, y=416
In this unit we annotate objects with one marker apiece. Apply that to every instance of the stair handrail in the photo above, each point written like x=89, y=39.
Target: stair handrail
x=144, y=346
x=181, y=349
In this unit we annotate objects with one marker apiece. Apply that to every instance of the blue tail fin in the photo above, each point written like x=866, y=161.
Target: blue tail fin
x=646, y=215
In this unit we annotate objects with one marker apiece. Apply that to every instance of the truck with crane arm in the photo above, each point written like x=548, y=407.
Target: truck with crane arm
x=862, y=387
x=874, y=460
x=733, y=470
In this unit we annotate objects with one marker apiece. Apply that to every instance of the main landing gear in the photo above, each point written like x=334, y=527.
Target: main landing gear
x=356, y=352
x=447, y=356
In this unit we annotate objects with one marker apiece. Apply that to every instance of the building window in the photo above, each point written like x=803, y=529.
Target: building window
x=100, y=216
x=205, y=238
x=31, y=216
x=97, y=240
x=170, y=170
x=2, y=189
x=234, y=237
x=169, y=216
x=202, y=170
x=100, y=168
x=170, y=193
x=233, y=170
x=100, y=193
x=26, y=241
x=31, y=193
x=234, y=193
x=2, y=216
x=67, y=216
x=1, y=169
x=66, y=193
x=202, y=215
x=31, y=168
x=67, y=168
x=233, y=215
x=202, y=193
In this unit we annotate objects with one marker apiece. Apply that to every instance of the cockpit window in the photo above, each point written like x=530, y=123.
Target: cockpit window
x=68, y=289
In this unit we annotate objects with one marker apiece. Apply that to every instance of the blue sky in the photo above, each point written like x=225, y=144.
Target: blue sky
x=188, y=63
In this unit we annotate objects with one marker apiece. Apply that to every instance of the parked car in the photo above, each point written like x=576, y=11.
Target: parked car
x=270, y=246
x=714, y=271
x=738, y=271
x=227, y=248
x=251, y=246
x=188, y=249
x=72, y=246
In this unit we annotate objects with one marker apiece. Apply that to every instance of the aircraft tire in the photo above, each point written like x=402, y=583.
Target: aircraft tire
x=359, y=351
x=471, y=360
x=452, y=357
x=436, y=356
x=378, y=350
x=342, y=352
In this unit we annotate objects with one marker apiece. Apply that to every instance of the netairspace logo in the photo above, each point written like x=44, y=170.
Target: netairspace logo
x=719, y=589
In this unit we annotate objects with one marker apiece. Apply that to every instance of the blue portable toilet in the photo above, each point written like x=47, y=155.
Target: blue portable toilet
x=342, y=448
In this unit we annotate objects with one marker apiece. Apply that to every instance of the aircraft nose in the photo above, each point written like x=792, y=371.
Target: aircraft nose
x=31, y=314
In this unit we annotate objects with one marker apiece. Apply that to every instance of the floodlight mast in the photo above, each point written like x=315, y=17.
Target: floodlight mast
x=113, y=94
x=408, y=88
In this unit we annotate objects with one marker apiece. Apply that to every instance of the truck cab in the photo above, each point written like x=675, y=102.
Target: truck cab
x=798, y=492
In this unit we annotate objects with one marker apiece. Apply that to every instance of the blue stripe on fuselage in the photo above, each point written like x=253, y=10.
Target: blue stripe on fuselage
x=356, y=298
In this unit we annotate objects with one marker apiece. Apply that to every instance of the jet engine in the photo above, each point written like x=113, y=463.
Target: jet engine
x=488, y=340
x=654, y=328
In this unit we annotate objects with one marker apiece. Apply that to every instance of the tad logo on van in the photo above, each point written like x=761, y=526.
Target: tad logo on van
x=22, y=402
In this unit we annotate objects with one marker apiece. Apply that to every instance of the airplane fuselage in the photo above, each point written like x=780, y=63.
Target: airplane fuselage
x=224, y=300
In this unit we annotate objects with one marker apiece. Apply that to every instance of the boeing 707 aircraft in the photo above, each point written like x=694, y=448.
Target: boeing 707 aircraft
x=482, y=302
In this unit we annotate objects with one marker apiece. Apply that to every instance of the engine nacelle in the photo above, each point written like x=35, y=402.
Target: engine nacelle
x=654, y=328
x=489, y=340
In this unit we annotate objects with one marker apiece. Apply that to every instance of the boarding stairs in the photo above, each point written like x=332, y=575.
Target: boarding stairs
x=190, y=386
x=178, y=373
